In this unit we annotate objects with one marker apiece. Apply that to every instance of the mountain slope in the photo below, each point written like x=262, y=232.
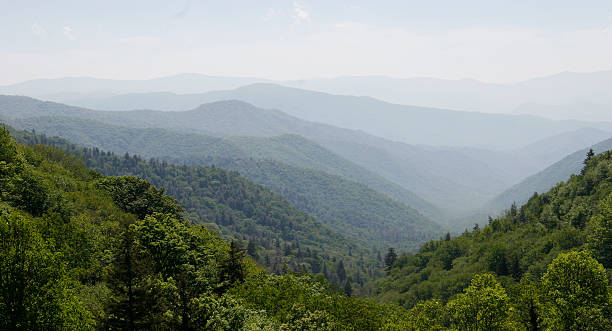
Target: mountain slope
x=357, y=211
x=416, y=168
x=545, y=152
x=294, y=150
x=468, y=181
x=353, y=209
x=231, y=205
x=84, y=251
x=519, y=246
x=460, y=179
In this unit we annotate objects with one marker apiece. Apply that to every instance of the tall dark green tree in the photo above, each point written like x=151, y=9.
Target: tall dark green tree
x=390, y=259
x=127, y=307
x=589, y=156
x=232, y=269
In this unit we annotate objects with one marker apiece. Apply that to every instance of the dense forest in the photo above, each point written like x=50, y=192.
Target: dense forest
x=455, y=179
x=155, y=134
x=351, y=208
x=547, y=264
x=275, y=234
x=279, y=163
x=85, y=251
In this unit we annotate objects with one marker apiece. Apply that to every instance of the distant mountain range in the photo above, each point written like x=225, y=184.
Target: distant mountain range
x=457, y=179
x=567, y=95
x=408, y=124
x=454, y=179
x=71, y=87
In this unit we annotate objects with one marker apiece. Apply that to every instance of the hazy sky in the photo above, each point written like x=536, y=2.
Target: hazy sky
x=490, y=40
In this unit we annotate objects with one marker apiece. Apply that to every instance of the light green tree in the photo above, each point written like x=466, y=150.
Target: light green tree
x=35, y=290
x=576, y=293
x=428, y=315
x=482, y=306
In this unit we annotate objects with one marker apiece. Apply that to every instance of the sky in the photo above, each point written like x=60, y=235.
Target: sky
x=489, y=40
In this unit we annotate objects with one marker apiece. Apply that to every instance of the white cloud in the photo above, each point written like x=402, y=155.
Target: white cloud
x=38, y=30
x=300, y=15
x=68, y=33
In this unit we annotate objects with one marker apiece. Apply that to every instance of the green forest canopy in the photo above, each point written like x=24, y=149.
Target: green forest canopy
x=84, y=251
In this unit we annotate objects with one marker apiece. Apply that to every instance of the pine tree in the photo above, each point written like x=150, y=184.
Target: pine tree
x=390, y=259
x=588, y=158
x=232, y=269
x=126, y=309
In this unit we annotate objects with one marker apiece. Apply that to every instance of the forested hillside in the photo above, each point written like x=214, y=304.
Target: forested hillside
x=457, y=179
x=276, y=234
x=344, y=203
x=81, y=251
x=353, y=209
x=548, y=263
x=84, y=251
x=160, y=143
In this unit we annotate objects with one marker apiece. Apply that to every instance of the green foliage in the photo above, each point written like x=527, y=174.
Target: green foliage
x=572, y=216
x=117, y=254
x=359, y=212
x=291, y=154
x=528, y=308
x=138, y=197
x=300, y=302
x=36, y=292
x=18, y=184
x=428, y=315
x=542, y=254
x=482, y=306
x=600, y=237
x=232, y=269
x=223, y=200
x=576, y=293
x=390, y=259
